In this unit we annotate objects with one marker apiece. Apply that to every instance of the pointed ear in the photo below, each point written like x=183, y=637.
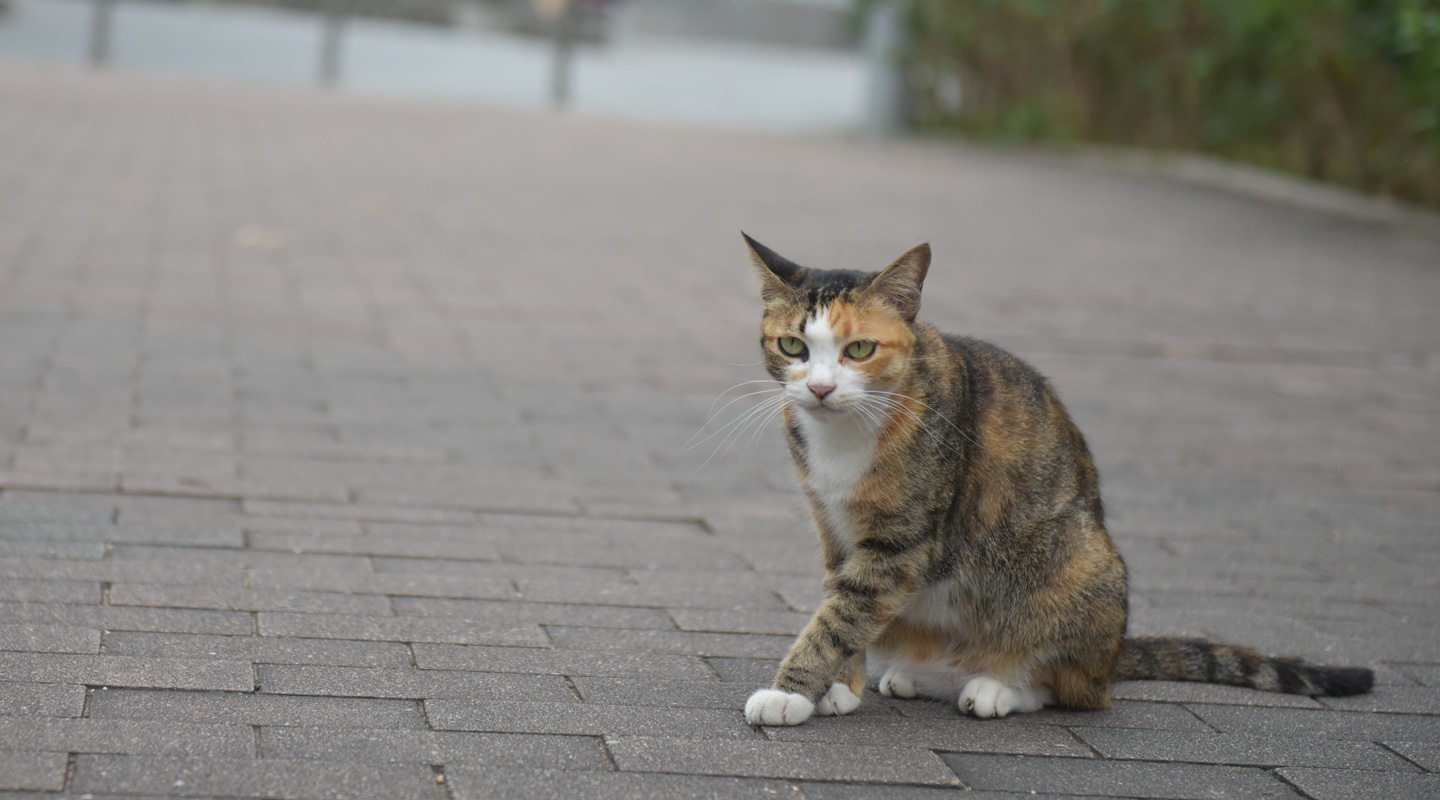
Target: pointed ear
x=776, y=272
x=899, y=285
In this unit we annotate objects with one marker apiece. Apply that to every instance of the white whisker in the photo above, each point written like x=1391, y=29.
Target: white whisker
x=742, y=417
x=762, y=411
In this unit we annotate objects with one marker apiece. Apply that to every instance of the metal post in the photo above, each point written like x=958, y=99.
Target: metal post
x=100, y=32
x=884, y=42
x=565, y=30
x=334, y=22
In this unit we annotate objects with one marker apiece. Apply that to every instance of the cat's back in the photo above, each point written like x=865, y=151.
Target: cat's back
x=1025, y=443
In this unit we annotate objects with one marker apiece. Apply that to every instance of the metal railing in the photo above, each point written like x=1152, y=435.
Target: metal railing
x=564, y=19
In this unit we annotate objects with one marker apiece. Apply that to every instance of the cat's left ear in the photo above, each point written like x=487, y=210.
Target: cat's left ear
x=899, y=284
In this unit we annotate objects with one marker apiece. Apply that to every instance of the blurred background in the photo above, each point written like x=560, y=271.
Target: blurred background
x=791, y=65
x=1345, y=91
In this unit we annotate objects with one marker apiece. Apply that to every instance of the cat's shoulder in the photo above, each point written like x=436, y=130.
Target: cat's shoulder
x=993, y=361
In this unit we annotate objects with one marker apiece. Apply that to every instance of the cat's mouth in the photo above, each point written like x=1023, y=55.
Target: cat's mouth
x=824, y=411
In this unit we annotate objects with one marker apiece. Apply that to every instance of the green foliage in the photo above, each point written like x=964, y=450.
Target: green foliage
x=1341, y=90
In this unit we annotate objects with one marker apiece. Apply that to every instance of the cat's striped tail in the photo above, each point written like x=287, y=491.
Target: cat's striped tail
x=1164, y=658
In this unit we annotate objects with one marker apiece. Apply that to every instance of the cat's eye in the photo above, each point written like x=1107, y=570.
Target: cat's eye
x=791, y=346
x=859, y=350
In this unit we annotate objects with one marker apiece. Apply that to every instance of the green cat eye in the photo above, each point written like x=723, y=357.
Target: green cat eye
x=859, y=350
x=791, y=346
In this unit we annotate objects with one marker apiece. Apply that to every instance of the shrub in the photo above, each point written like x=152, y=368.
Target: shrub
x=1340, y=90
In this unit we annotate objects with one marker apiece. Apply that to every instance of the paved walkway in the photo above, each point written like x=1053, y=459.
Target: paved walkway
x=341, y=455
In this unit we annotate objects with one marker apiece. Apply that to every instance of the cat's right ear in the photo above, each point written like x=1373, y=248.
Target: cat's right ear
x=777, y=274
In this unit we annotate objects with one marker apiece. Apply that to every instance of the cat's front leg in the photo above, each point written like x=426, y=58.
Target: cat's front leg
x=859, y=601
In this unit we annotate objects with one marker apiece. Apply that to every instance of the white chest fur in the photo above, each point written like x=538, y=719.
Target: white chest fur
x=838, y=453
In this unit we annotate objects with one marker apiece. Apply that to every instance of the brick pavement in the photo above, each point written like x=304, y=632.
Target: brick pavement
x=341, y=455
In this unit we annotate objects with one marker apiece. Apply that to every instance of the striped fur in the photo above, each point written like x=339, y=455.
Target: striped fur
x=1150, y=658
x=959, y=515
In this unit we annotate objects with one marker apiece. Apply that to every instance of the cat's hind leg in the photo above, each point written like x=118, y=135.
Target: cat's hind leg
x=896, y=682
x=844, y=693
x=987, y=697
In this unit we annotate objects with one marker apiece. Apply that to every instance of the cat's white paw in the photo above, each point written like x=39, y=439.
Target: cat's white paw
x=774, y=707
x=985, y=697
x=895, y=683
x=838, y=701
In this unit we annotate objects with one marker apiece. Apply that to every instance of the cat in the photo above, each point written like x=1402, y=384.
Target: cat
x=959, y=516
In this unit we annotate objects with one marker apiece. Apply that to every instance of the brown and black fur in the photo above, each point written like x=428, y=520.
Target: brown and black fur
x=981, y=485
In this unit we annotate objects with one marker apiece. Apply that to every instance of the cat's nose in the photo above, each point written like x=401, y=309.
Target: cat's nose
x=820, y=390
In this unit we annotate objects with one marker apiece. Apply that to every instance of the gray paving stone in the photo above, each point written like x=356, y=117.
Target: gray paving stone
x=410, y=683
x=644, y=555
x=42, y=591
x=778, y=623
x=470, y=783
x=254, y=709
x=59, y=481
x=49, y=639
x=117, y=670
x=234, y=598
x=952, y=734
x=517, y=497
x=1123, y=714
x=309, y=525
x=33, y=548
x=1239, y=749
x=1322, y=724
x=41, y=699
x=586, y=719
x=480, y=570
x=20, y=505
x=273, y=508
x=869, y=763
x=283, y=780
x=1426, y=754
x=1178, y=692
x=154, y=509
x=536, y=613
x=621, y=594
x=362, y=581
x=1114, y=778
x=474, y=750
x=852, y=791
x=113, y=618
x=401, y=546
x=128, y=737
x=628, y=530
x=681, y=642
x=1389, y=699
x=1426, y=674
x=690, y=694
x=402, y=629
x=215, y=558
x=30, y=770
x=561, y=662
x=201, y=535
x=260, y=649
x=67, y=578
x=753, y=672
x=1338, y=784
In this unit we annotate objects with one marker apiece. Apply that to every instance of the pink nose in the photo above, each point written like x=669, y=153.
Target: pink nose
x=820, y=390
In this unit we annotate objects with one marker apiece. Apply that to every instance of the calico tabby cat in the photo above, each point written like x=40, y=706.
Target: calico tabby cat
x=959, y=516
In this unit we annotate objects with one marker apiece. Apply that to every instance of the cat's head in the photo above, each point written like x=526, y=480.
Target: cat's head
x=838, y=340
